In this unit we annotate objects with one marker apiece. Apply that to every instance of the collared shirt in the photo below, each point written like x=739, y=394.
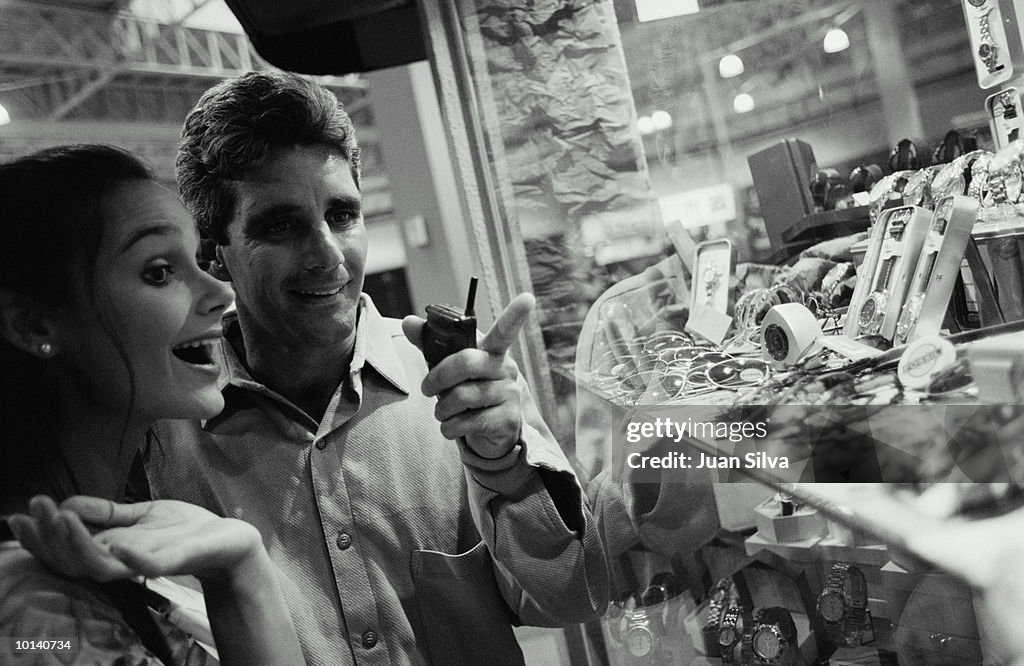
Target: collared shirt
x=393, y=544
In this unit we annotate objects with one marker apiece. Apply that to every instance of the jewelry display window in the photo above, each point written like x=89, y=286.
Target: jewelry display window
x=635, y=353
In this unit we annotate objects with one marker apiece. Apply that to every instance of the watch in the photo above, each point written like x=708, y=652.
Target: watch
x=774, y=638
x=978, y=188
x=832, y=283
x=639, y=639
x=787, y=505
x=872, y=313
x=1004, y=182
x=711, y=277
x=987, y=49
x=842, y=605
x=722, y=596
x=662, y=588
x=908, y=318
x=735, y=621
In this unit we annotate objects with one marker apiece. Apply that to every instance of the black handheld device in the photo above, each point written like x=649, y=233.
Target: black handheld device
x=449, y=329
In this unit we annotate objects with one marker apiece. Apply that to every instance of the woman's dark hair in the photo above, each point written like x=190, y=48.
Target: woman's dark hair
x=51, y=230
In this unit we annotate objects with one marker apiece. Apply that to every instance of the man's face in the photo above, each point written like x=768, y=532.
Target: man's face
x=296, y=249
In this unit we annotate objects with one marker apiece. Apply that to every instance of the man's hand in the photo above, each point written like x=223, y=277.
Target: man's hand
x=478, y=395
x=164, y=537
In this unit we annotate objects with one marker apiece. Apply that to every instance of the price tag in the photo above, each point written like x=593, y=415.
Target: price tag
x=708, y=323
x=851, y=349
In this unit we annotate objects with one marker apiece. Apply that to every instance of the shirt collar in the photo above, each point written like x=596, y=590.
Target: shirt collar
x=374, y=347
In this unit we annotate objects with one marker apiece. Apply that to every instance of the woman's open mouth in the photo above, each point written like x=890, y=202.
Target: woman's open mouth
x=196, y=352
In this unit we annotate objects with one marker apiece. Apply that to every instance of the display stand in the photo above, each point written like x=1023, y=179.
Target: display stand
x=829, y=224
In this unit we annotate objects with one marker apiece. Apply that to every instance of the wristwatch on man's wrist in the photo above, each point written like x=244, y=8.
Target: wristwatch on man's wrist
x=842, y=605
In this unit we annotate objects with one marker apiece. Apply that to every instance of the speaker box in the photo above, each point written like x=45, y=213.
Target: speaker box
x=782, y=175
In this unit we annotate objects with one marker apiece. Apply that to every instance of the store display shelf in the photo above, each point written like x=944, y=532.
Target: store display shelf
x=835, y=550
x=895, y=577
x=795, y=551
x=820, y=549
x=828, y=224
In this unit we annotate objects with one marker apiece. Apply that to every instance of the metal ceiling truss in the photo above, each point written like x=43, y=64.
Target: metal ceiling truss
x=94, y=48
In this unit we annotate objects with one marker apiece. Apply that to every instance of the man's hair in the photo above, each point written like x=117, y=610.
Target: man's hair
x=237, y=122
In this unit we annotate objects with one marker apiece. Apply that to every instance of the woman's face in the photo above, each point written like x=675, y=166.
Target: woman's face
x=150, y=306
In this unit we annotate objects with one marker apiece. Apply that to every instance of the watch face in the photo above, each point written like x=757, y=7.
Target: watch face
x=977, y=3
x=639, y=642
x=766, y=644
x=872, y=313
x=831, y=607
x=726, y=636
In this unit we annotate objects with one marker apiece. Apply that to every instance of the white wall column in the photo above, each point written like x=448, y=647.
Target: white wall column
x=418, y=163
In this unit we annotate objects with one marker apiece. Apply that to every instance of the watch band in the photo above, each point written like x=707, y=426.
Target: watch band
x=711, y=277
x=832, y=283
x=847, y=581
x=721, y=597
x=979, y=177
x=988, y=51
x=747, y=642
x=735, y=622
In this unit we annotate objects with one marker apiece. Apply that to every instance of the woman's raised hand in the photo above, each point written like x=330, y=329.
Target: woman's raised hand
x=103, y=540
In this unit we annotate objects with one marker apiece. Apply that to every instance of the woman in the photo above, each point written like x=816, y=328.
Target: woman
x=107, y=323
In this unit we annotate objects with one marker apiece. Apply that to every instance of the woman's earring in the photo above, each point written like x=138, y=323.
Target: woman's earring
x=46, y=349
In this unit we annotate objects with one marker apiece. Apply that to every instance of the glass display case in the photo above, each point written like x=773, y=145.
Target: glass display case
x=776, y=250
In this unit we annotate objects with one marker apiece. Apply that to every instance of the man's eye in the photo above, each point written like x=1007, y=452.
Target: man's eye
x=278, y=227
x=158, y=275
x=342, y=217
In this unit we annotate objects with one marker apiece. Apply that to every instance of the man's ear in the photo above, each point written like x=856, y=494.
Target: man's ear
x=28, y=324
x=217, y=267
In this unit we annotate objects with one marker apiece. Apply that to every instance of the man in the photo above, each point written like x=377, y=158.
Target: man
x=394, y=545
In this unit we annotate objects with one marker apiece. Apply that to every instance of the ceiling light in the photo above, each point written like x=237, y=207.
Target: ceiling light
x=661, y=120
x=4, y=116
x=836, y=40
x=730, y=66
x=645, y=124
x=743, y=103
x=651, y=10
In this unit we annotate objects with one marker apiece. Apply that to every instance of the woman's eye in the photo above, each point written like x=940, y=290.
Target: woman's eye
x=158, y=275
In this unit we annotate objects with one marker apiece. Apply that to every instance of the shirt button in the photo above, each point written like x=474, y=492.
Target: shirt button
x=321, y=444
x=344, y=541
x=369, y=638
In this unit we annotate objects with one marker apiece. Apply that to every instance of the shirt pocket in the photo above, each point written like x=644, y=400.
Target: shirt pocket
x=463, y=615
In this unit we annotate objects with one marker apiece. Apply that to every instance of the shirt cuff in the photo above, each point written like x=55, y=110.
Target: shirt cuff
x=507, y=476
